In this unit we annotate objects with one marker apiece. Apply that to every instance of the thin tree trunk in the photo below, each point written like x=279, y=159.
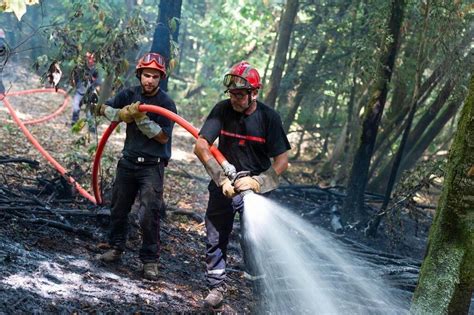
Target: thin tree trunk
x=446, y=280
x=421, y=127
x=284, y=35
x=354, y=203
x=331, y=122
x=430, y=134
x=306, y=83
x=373, y=224
x=161, y=44
x=351, y=117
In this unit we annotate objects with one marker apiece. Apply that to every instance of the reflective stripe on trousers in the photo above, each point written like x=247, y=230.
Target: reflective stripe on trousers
x=219, y=222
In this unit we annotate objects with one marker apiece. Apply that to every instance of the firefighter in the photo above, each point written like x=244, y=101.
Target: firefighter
x=82, y=80
x=4, y=54
x=250, y=136
x=145, y=154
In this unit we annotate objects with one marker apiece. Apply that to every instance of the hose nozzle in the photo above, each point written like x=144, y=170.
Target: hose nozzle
x=229, y=170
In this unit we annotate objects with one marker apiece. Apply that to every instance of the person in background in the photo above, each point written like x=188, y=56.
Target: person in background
x=82, y=80
x=146, y=152
x=54, y=74
x=250, y=136
x=4, y=54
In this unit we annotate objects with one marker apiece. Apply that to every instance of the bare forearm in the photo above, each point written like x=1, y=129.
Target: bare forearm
x=201, y=149
x=280, y=163
x=161, y=137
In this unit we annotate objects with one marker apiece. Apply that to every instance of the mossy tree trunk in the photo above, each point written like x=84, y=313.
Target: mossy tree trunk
x=446, y=281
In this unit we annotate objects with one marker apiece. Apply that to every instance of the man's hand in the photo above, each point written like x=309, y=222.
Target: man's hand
x=124, y=114
x=228, y=189
x=135, y=113
x=247, y=183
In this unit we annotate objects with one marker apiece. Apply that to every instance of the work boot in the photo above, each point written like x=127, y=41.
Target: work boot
x=215, y=296
x=112, y=255
x=150, y=271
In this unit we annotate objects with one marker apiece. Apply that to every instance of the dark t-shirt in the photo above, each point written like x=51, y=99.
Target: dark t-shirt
x=247, y=142
x=136, y=143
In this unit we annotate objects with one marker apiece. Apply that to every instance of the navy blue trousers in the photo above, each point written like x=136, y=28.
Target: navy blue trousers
x=219, y=223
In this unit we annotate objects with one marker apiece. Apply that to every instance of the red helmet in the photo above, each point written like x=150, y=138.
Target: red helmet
x=242, y=76
x=151, y=61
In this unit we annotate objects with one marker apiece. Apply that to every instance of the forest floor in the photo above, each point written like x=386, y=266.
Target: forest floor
x=47, y=269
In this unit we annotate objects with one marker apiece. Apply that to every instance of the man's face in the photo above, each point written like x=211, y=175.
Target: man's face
x=150, y=79
x=240, y=100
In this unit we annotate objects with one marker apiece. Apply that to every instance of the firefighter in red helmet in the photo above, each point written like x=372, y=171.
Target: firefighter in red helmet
x=251, y=137
x=145, y=154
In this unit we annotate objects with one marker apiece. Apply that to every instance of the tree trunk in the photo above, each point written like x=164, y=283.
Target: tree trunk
x=350, y=125
x=306, y=83
x=379, y=181
x=291, y=76
x=286, y=27
x=307, y=77
x=354, y=203
x=430, y=134
x=425, y=91
x=374, y=223
x=290, y=79
x=168, y=10
x=446, y=280
x=431, y=113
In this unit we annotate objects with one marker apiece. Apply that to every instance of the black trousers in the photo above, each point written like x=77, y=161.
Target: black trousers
x=219, y=223
x=130, y=180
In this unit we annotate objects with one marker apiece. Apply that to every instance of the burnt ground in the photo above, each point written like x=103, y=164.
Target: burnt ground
x=49, y=236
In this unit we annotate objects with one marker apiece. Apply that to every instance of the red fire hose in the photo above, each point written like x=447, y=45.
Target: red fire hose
x=144, y=108
x=58, y=111
x=33, y=141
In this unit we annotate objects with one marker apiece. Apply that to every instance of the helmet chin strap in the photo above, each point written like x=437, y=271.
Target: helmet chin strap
x=251, y=103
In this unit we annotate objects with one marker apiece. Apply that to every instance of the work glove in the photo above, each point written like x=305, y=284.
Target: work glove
x=268, y=180
x=124, y=114
x=228, y=189
x=215, y=171
x=247, y=183
x=135, y=113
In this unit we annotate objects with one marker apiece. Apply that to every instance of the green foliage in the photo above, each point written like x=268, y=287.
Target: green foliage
x=70, y=29
x=216, y=34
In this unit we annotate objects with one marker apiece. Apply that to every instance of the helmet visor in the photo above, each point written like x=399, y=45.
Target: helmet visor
x=235, y=82
x=149, y=58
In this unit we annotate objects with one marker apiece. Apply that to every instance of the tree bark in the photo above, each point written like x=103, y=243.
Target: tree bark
x=285, y=30
x=161, y=44
x=374, y=223
x=306, y=83
x=446, y=280
x=378, y=183
x=354, y=203
x=430, y=134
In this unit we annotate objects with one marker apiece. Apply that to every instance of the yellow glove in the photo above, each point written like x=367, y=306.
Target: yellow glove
x=247, y=183
x=124, y=115
x=135, y=113
x=228, y=189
